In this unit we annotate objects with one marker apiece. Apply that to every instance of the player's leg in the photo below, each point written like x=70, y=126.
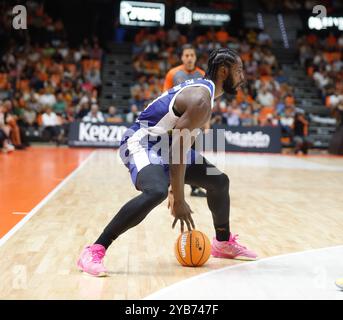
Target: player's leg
x=298, y=143
x=153, y=181
x=204, y=174
x=195, y=190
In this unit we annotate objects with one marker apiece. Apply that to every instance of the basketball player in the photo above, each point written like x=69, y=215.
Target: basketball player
x=186, y=71
x=186, y=106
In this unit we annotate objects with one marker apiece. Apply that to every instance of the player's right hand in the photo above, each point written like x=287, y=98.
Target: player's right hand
x=182, y=211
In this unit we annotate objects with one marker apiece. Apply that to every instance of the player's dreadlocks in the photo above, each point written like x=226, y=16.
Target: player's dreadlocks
x=217, y=58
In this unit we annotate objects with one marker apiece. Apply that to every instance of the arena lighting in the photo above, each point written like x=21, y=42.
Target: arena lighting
x=150, y=14
x=260, y=21
x=185, y=15
x=283, y=31
x=325, y=22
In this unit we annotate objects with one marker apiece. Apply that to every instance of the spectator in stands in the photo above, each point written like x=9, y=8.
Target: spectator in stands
x=94, y=115
x=251, y=36
x=150, y=47
x=269, y=58
x=246, y=117
x=280, y=77
x=95, y=52
x=334, y=98
x=133, y=114
x=265, y=97
x=3, y=125
x=286, y=120
x=29, y=117
x=5, y=144
x=93, y=76
x=300, y=131
x=264, y=38
x=83, y=110
x=173, y=35
x=10, y=125
x=47, y=98
x=233, y=114
x=331, y=41
x=113, y=116
x=217, y=117
x=279, y=105
x=32, y=103
x=305, y=53
x=66, y=119
x=337, y=113
x=59, y=106
x=270, y=120
x=321, y=78
x=70, y=115
x=138, y=97
x=51, y=125
x=222, y=36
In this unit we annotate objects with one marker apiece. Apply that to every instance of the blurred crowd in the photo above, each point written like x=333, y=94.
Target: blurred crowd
x=322, y=58
x=267, y=100
x=44, y=82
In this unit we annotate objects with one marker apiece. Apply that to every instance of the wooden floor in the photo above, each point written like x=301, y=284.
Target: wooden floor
x=27, y=176
x=274, y=210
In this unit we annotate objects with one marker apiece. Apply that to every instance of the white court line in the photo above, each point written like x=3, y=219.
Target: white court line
x=20, y=213
x=28, y=216
x=164, y=291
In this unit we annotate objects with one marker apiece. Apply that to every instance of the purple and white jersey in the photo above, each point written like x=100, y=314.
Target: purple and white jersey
x=155, y=121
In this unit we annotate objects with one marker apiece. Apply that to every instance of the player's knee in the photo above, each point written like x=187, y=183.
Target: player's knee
x=223, y=181
x=218, y=183
x=158, y=193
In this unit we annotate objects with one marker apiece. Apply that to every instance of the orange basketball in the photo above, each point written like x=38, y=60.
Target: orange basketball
x=192, y=248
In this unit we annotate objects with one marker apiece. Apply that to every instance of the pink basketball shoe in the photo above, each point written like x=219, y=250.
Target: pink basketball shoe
x=231, y=249
x=91, y=260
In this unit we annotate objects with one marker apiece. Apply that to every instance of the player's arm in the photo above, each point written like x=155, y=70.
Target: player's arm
x=305, y=122
x=195, y=106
